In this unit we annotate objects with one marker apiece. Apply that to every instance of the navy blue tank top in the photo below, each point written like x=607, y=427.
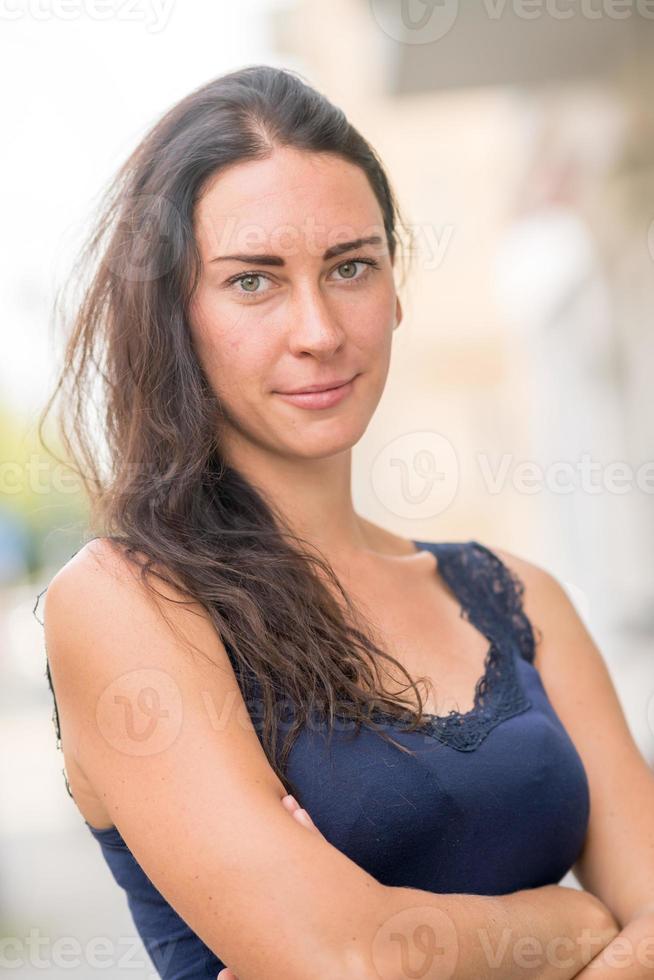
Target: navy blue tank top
x=494, y=800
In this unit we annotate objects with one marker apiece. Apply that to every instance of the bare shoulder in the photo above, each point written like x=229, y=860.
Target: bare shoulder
x=573, y=669
x=543, y=596
x=97, y=566
x=540, y=586
x=103, y=563
x=530, y=573
x=108, y=637
x=101, y=590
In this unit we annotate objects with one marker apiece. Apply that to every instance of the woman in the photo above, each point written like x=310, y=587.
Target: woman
x=236, y=635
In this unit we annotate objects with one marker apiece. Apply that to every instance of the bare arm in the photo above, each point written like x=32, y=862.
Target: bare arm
x=436, y=947
x=542, y=933
x=630, y=956
x=548, y=932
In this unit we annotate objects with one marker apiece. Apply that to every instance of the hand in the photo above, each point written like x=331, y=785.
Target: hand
x=296, y=811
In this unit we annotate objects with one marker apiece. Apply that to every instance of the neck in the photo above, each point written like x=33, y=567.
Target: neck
x=313, y=497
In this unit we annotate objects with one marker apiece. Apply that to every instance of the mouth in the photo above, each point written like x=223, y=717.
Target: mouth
x=322, y=398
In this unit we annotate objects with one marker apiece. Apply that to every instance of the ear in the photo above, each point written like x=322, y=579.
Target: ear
x=398, y=312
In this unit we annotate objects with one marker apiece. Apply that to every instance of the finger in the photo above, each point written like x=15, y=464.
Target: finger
x=304, y=818
x=226, y=974
x=290, y=803
x=300, y=814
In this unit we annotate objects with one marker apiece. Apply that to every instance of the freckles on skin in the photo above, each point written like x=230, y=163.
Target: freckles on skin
x=235, y=361
x=293, y=204
x=291, y=201
x=216, y=334
x=309, y=324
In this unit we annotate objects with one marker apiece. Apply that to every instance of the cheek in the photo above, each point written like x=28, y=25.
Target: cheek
x=371, y=331
x=235, y=366
x=375, y=312
x=229, y=350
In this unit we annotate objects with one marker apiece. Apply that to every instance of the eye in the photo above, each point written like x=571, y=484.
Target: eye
x=246, y=279
x=369, y=265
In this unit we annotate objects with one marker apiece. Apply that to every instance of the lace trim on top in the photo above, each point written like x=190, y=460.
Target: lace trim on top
x=490, y=592
x=490, y=597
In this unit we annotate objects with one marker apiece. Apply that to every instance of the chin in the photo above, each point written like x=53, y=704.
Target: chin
x=318, y=442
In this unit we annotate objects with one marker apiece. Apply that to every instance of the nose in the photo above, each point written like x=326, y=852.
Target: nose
x=314, y=326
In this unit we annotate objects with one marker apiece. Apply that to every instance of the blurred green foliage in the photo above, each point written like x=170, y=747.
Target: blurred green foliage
x=43, y=509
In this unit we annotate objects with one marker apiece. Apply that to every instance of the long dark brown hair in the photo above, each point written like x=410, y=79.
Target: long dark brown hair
x=158, y=486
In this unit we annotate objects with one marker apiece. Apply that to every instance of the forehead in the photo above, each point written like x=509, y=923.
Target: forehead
x=293, y=199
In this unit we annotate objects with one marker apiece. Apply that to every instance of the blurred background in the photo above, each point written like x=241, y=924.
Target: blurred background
x=519, y=138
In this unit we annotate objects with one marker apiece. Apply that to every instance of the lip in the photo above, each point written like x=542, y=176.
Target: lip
x=336, y=383
x=324, y=398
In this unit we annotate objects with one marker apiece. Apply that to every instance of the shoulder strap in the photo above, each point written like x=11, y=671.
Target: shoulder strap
x=489, y=591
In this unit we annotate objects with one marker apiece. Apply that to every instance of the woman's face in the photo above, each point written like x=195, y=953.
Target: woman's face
x=306, y=315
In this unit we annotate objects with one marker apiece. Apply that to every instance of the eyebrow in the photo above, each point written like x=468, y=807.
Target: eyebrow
x=278, y=260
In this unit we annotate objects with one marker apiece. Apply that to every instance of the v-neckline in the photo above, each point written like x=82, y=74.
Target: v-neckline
x=482, y=681
x=499, y=684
